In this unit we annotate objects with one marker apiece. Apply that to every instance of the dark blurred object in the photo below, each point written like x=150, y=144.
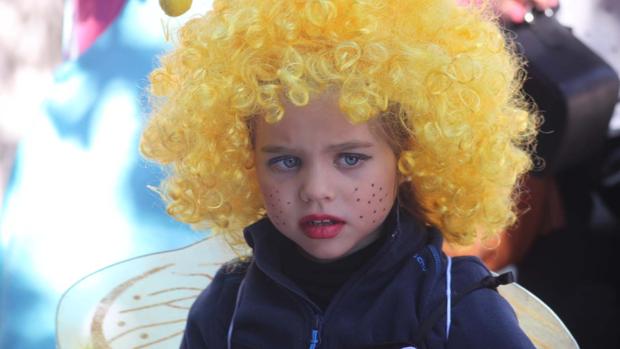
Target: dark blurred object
x=575, y=268
x=609, y=182
x=575, y=90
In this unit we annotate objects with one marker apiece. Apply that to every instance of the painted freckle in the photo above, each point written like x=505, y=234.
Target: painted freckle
x=375, y=211
x=358, y=199
x=373, y=195
x=380, y=200
x=361, y=217
x=368, y=202
x=372, y=185
x=288, y=202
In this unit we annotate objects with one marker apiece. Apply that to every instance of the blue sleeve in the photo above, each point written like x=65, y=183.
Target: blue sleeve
x=484, y=319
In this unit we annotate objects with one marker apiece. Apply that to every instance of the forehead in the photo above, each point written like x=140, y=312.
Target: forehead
x=319, y=122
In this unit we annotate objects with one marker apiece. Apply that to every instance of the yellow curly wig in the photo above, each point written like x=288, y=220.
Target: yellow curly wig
x=447, y=68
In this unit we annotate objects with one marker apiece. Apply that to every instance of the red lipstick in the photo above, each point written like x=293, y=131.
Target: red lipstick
x=321, y=226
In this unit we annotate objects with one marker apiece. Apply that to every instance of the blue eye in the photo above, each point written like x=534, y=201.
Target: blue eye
x=352, y=160
x=285, y=163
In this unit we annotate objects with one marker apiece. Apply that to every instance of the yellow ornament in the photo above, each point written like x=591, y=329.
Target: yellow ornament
x=174, y=8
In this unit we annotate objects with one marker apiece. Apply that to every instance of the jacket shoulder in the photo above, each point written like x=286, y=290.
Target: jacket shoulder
x=467, y=270
x=479, y=316
x=210, y=314
x=482, y=318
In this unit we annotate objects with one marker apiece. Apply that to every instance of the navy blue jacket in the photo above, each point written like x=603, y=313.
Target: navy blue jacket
x=253, y=305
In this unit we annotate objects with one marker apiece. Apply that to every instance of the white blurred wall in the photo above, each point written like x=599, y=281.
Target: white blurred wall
x=30, y=48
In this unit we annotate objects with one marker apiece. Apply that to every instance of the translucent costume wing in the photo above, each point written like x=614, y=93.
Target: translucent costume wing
x=139, y=303
x=538, y=321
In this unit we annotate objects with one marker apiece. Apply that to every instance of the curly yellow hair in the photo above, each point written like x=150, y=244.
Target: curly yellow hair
x=446, y=70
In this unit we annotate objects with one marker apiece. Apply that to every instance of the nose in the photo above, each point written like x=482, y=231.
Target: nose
x=317, y=186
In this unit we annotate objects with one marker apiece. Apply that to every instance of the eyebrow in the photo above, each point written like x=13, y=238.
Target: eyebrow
x=334, y=147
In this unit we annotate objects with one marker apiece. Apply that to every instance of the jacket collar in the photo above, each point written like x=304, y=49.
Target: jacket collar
x=407, y=237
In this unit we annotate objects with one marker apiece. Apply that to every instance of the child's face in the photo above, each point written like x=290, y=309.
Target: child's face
x=315, y=163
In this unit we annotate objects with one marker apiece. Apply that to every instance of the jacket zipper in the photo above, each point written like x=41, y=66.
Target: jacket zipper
x=316, y=331
x=315, y=334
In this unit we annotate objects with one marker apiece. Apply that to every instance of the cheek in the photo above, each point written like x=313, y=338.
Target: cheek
x=276, y=205
x=373, y=201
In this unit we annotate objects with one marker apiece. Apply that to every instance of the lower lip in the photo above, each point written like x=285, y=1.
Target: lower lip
x=322, y=231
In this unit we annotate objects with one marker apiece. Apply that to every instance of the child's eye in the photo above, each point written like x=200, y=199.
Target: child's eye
x=351, y=160
x=285, y=162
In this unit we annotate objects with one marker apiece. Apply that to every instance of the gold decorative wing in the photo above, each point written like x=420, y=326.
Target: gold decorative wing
x=139, y=303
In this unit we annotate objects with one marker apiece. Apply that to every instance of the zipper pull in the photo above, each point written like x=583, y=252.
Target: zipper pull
x=315, y=339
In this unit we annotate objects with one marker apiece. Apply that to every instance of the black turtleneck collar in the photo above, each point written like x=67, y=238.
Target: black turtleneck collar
x=320, y=281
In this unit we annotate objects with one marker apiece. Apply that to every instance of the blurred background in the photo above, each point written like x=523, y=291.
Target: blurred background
x=73, y=188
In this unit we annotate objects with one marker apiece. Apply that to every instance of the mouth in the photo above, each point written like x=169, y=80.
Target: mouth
x=321, y=226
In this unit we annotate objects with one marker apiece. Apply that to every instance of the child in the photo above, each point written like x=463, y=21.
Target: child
x=346, y=140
